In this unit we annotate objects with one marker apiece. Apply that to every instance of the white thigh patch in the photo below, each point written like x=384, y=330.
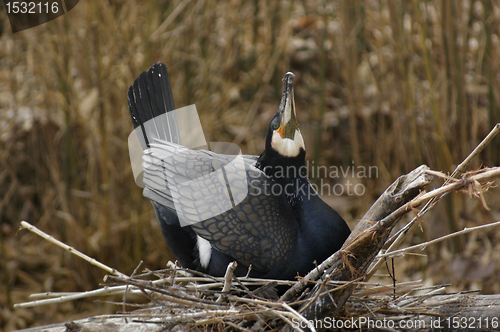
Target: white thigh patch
x=205, y=251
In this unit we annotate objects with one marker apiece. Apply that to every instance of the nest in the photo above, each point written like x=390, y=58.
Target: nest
x=182, y=299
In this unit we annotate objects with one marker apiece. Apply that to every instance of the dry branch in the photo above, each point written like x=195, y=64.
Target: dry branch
x=424, y=245
x=72, y=250
x=227, y=281
x=398, y=238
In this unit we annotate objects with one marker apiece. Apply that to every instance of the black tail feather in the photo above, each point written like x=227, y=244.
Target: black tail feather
x=148, y=98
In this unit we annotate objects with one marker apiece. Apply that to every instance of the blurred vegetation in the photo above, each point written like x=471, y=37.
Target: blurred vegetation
x=387, y=83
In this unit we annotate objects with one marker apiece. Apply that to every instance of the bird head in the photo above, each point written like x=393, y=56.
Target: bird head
x=284, y=132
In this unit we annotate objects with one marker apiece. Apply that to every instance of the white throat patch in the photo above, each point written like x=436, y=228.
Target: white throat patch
x=287, y=147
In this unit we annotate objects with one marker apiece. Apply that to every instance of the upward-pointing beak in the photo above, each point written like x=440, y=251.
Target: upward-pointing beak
x=289, y=122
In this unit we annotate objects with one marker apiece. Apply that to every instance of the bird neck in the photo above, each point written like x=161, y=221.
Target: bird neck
x=283, y=169
x=289, y=174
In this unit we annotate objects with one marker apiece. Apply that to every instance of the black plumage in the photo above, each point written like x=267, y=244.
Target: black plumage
x=271, y=218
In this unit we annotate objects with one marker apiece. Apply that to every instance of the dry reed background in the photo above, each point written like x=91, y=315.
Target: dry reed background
x=386, y=83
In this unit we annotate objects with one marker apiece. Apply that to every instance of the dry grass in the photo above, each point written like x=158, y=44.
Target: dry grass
x=396, y=84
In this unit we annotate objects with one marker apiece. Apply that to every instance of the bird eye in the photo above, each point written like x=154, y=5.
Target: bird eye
x=276, y=126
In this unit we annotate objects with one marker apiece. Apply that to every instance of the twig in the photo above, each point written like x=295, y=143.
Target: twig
x=177, y=269
x=249, y=270
x=422, y=246
x=72, y=250
x=441, y=175
x=299, y=316
x=480, y=147
x=188, y=317
x=127, y=288
x=228, y=277
x=284, y=316
x=75, y=296
x=50, y=294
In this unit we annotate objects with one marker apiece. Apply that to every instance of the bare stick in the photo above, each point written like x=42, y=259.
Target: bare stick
x=127, y=288
x=228, y=277
x=50, y=294
x=74, y=296
x=463, y=166
x=442, y=238
x=309, y=324
x=72, y=250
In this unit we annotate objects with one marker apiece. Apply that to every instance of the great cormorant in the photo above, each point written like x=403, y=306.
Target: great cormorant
x=281, y=227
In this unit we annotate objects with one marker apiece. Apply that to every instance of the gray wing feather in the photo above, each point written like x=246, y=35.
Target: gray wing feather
x=228, y=203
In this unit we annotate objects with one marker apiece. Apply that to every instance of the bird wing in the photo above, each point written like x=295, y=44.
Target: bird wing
x=225, y=199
